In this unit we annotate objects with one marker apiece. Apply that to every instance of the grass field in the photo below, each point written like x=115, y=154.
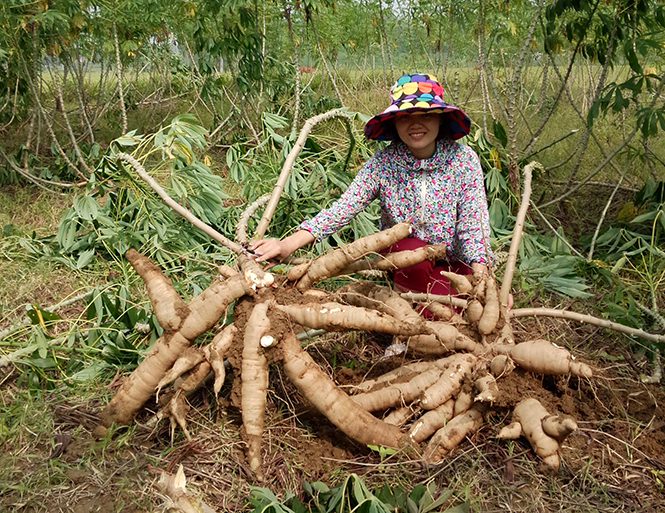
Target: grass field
x=49, y=403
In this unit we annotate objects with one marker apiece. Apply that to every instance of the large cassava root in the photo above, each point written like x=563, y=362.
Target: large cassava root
x=182, y=324
x=438, y=402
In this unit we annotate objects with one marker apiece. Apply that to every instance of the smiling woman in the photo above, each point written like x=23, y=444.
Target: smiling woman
x=424, y=177
x=419, y=132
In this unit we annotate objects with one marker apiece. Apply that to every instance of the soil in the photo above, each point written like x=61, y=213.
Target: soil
x=619, y=446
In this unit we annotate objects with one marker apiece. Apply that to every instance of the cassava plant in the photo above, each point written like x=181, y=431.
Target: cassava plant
x=426, y=407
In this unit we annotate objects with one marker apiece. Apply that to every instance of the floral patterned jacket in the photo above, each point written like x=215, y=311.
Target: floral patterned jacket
x=442, y=196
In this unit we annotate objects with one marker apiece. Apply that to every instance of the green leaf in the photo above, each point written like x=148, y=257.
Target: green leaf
x=85, y=257
x=444, y=496
x=500, y=133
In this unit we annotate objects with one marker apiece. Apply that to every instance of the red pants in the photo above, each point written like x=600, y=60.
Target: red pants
x=425, y=276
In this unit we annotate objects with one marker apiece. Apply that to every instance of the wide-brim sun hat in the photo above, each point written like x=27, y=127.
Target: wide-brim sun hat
x=418, y=92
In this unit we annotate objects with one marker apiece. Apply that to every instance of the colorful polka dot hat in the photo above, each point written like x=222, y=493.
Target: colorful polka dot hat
x=418, y=92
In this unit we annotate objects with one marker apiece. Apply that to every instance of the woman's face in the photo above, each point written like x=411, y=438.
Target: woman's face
x=419, y=132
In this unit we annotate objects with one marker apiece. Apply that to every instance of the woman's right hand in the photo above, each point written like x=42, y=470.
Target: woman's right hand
x=266, y=249
x=277, y=249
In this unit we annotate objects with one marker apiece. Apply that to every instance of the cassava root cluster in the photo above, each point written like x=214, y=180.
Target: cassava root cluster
x=429, y=405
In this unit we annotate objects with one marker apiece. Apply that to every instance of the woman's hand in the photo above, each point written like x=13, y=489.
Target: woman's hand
x=267, y=249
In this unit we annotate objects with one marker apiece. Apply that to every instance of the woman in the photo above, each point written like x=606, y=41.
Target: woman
x=424, y=177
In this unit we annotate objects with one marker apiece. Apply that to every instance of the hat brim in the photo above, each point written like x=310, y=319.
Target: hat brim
x=455, y=124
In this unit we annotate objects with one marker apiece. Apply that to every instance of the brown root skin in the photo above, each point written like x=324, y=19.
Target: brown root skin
x=449, y=383
x=559, y=426
x=491, y=310
x=169, y=309
x=449, y=437
x=399, y=416
x=397, y=260
x=204, y=311
x=383, y=299
x=444, y=313
x=396, y=394
x=474, y=311
x=396, y=374
x=543, y=357
x=463, y=402
x=226, y=271
x=488, y=391
x=510, y=432
x=177, y=409
x=445, y=339
x=530, y=414
x=328, y=399
x=460, y=283
x=432, y=421
x=479, y=280
x=297, y=271
x=254, y=376
x=187, y=360
x=332, y=263
x=216, y=352
x=501, y=365
x=209, y=306
x=339, y=317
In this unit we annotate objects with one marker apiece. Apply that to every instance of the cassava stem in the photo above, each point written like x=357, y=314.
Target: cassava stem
x=517, y=234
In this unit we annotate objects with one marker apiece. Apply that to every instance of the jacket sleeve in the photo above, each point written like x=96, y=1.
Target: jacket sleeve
x=472, y=229
x=361, y=191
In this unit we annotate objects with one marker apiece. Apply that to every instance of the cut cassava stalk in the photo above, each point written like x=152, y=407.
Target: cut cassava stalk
x=339, y=317
x=397, y=394
x=449, y=436
x=177, y=207
x=243, y=220
x=328, y=399
x=332, y=263
x=254, y=384
x=543, y=357
x=506, y=284
x=203, y=312
x=288, y=165
x=397, y=260
x=432, y=421
x=588, y=319
x=420, y=297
